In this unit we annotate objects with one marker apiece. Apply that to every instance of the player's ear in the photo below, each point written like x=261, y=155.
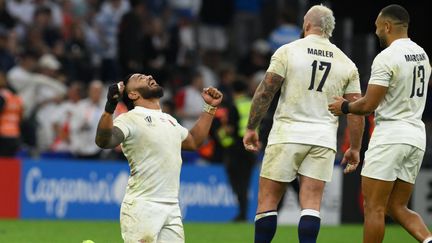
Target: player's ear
x=133, y=95
x=387, y=26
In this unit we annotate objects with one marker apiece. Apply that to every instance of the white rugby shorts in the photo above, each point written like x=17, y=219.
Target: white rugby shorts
x=151, y=222
x=389, y=162
x=283, y=162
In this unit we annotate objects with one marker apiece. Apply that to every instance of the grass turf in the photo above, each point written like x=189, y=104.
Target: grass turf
x=28, y=231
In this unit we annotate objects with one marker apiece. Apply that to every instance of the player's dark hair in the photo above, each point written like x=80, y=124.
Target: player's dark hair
x=125, y=98
x=396, y=12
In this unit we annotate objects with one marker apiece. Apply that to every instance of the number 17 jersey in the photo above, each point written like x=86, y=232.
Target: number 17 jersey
x=404, y=68
x=314, y=71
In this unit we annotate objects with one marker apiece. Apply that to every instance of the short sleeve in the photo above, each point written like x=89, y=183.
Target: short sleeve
x=182, y=130
x=381, y=71
x=123, y=124
x=353, y=86
x=278, y=63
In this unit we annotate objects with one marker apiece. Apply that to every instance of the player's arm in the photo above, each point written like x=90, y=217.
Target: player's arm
x=355, y=125
x=366, y=105
x=261, y=101
x=263, y=97
x=107, y=135
x=363, y=106
x=199, y=132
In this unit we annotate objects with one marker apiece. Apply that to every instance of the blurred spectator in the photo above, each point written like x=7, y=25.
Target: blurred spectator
x=43, y=21
x=239, y=162
x=257, y=59
x=84, y=122
x=62, y=118
x=53, y=6
x=156, y=47
x=286, y=31
x=7, y=60
x=130, y=39
x=11, y=110
x=6, y=20
x=247, y=25
x=215, y=17
x=78, y=55
x=208, y=67
x=108, y=19
x=227, y=77
x=189, y=102
x=21, y=10
x=47, y=99
x=185, y=33
x=20, y=78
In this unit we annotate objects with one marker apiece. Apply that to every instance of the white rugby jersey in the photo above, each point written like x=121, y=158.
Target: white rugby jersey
x=404, y=68
x=152, y=146
x=315, y=71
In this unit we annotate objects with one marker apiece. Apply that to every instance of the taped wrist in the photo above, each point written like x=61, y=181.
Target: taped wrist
x=110, y=106
x=209, y=109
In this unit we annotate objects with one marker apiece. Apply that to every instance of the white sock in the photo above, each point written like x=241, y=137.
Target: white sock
x=310, y=212
x=262, y=215
x=427, y=240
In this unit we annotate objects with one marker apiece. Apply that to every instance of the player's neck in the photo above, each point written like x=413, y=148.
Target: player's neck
x=314, y=32
x=152, y=104
x=397, y=37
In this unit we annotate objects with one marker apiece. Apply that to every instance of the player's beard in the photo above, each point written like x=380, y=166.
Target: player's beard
x=382, y=41
x=150, y=93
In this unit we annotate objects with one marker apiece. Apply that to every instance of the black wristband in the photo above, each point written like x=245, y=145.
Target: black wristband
x=345, y=107
x=110, y=106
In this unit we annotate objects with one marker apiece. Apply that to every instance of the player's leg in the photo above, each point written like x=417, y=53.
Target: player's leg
x=279, y=167
x=311, y=191
x=376, y=194
x=172, y=231
x=397, y=208
x=141, y=221
x=315, y=170
x=269, y=195
x=381, y=165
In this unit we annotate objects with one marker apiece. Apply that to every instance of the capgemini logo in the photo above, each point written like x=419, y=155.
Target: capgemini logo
x=206, y=194
x=58, y=193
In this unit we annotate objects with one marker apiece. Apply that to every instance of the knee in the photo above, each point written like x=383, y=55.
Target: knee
x=374, y=209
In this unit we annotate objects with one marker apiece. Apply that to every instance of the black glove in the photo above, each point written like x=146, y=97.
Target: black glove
x=112, y=98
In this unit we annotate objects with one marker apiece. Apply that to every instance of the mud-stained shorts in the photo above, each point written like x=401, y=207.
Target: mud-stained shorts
x=388, y=162
x=283, y=162
x=151, y=222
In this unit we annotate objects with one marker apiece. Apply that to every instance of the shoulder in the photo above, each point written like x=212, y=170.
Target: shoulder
x=385, y=57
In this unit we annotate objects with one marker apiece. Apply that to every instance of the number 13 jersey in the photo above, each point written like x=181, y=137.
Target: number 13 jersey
x=404, y=68
x=314, y=71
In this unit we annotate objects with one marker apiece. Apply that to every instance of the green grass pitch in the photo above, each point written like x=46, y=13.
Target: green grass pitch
x=27, y=231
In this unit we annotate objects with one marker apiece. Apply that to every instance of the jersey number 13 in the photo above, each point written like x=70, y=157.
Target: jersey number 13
x=418, y=73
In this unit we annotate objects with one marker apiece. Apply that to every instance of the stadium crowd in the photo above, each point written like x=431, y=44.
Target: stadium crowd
x=58, y=57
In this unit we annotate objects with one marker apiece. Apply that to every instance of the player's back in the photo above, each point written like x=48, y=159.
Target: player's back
x=315, y=71
x=404, y=68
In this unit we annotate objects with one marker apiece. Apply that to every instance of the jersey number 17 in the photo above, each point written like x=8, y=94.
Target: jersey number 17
x=323, y=66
